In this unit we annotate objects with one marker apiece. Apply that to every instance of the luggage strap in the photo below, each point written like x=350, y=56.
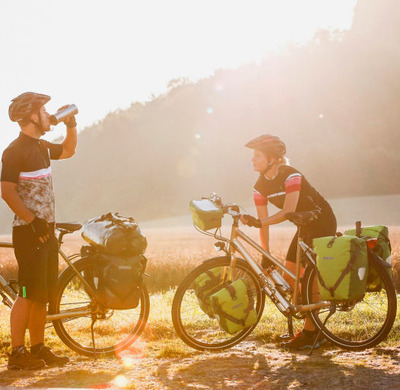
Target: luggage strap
x=344, y=273
x=232, y=293
x=116, y=219
x=212, y=282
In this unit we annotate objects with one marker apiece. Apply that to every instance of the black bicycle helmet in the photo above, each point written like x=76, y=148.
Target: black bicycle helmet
x=268, y=144
x=26, y=104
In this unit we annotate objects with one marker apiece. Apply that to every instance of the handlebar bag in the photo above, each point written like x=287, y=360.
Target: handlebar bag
x=117, y=280
x=383, y=250
x=205, y=285
x=115, y=234
x=342, y=267
x=206, y=214
x=233, y=307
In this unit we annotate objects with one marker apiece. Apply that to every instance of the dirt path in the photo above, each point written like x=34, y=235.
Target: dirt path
x=249, y=365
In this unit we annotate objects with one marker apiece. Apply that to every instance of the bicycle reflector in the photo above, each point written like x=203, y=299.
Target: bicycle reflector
x=372, y=243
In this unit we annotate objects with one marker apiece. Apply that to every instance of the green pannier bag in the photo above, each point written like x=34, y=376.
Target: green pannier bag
x=206, y=215
x=383, y=250
x=233, y=306
x=205, y=285
x=342, y=267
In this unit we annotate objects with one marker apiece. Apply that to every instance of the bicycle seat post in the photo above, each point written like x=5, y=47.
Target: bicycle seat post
x=60, y=236
x=298, y=266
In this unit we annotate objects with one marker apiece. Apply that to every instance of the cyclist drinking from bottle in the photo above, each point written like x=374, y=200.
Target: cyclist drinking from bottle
x=288, y=190
x=27, y=188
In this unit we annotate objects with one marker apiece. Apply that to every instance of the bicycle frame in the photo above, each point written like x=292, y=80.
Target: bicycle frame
x=269, y=285
x=9, y=295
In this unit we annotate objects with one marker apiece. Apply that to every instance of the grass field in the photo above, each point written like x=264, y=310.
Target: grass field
x=171, y=254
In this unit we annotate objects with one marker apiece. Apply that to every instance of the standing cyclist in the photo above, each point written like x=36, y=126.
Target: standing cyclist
x=27, y=188
x=288, y=190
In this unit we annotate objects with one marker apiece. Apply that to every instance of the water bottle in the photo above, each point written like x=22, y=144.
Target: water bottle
x=282, y=284
x=63, y=114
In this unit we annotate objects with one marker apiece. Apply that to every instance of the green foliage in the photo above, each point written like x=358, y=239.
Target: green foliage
x=333, y=101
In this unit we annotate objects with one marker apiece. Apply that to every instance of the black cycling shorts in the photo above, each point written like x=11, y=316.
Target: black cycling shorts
x=37, y=264
x=325, y=225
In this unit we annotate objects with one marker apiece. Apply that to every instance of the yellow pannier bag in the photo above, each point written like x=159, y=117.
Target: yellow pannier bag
x=233, y=306
x=342, y=265
x=383, y=250
x=205, y=285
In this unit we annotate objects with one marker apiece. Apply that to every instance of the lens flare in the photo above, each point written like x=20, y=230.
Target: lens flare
x=132, y=353
x=197, y=136
x=121, y=382
x=210, y=110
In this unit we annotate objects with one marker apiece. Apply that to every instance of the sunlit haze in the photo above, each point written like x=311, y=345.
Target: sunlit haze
x=105, y=55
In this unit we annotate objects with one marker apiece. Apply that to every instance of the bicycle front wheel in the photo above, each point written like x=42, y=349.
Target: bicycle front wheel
x=356, y=325
x=194, y=326
x=113, y=330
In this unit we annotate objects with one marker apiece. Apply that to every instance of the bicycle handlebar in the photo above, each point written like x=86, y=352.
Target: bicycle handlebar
x=231, y=208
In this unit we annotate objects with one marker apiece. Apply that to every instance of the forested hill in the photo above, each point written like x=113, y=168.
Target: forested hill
x=335, y=102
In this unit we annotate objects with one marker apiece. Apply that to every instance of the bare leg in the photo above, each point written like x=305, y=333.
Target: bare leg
x=37, y=322
x=19, y=320
x=308, y=323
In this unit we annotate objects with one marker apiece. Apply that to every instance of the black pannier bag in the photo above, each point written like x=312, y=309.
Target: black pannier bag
x=117, y=280
x=115, y=234
x=118, y=264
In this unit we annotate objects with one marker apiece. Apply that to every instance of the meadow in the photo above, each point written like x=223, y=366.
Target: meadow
x=160, y=360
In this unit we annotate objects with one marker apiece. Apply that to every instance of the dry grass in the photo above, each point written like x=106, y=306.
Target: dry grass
x=172, y=253
x=160, y=360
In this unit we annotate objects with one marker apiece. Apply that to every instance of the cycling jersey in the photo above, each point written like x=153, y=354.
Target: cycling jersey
x=290, y=180
x=286, y=181
x=26, y=162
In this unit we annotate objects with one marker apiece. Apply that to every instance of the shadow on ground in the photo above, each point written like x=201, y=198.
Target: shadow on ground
x=250, y=365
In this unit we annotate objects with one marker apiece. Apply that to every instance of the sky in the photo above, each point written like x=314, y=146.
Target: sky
x=104, y=55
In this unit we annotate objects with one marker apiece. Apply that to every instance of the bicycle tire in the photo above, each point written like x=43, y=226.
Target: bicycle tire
x=196, y=328
x=115, y=330
x=362, y=325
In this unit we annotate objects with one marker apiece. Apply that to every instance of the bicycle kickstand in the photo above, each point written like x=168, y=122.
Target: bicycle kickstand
x=290, y=325
x=289, y=335
x=94, y=319
x=332, y=310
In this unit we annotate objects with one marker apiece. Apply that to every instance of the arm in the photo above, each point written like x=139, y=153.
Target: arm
x=69, y=143
x=289, y=205
x=10, y=195
x=262, y=212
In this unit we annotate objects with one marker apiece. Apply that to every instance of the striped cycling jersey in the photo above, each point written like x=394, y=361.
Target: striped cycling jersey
x=26, y=162
x=286, y=181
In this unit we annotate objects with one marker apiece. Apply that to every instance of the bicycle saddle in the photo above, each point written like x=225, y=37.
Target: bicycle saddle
x=303, y=217
x=69, y=226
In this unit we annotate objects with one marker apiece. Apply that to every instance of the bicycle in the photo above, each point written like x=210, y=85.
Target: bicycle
x=336, y=320
x=83, y=324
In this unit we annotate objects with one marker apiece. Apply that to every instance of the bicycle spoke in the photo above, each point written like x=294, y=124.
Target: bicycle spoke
x=113, y=330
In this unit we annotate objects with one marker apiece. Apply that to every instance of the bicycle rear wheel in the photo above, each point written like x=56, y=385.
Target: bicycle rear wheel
x=356, y=325
x=194, y=326
x=114, y=330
